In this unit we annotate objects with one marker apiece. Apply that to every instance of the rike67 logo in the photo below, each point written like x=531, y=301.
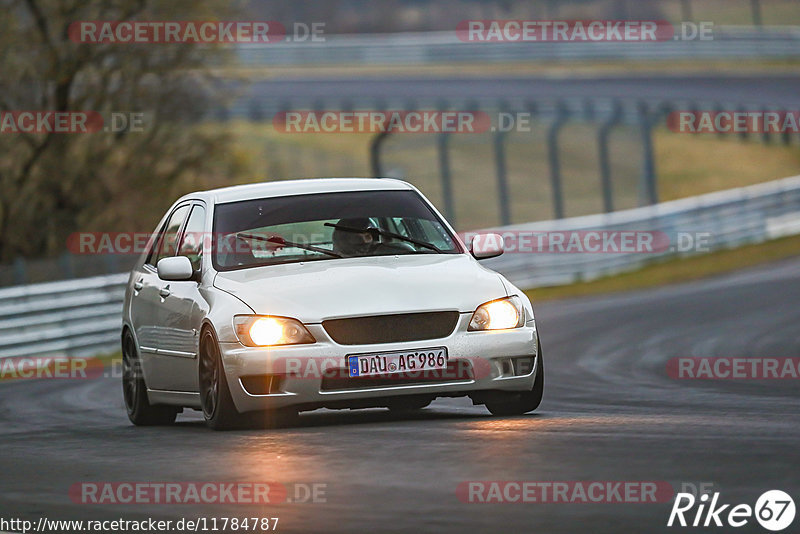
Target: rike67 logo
x=774, y=510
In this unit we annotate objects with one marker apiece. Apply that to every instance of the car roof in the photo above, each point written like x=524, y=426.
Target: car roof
x=282, y=188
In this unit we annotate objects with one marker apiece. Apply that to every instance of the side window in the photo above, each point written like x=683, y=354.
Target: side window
x=192, y=240
x=168, y=240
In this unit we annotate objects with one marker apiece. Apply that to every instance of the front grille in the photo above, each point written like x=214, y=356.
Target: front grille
x=457, y=370
x=391, y=328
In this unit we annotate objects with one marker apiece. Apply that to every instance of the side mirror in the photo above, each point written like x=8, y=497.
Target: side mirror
x=176, y=269
x=486, y=246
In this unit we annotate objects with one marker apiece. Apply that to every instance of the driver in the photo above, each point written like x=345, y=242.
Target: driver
x=349, y=243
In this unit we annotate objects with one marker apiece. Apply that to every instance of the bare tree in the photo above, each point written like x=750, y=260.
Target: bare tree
x=52, y=184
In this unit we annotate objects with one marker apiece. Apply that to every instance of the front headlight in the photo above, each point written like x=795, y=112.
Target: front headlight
x=265, y=330
x=499, y=314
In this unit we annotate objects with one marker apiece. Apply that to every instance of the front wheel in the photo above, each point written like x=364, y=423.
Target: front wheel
x=215, y=397
x=522, y=402
x=134, y=390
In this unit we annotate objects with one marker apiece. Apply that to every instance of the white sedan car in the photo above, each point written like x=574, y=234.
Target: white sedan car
x=264, y=300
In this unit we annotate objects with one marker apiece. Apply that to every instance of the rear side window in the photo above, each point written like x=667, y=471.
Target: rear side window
x=168, y=240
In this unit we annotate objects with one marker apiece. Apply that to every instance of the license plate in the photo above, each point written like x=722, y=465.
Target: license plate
x=383, y=363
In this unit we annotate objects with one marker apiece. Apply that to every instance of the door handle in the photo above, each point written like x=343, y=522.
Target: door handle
x=138, y=285
x=164, y=292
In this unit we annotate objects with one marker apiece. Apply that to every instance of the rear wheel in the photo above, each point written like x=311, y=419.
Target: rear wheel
x=134, y=390
x=215, y=397
x=520, y=402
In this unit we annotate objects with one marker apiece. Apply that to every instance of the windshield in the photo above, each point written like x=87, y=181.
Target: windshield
x=326, y=226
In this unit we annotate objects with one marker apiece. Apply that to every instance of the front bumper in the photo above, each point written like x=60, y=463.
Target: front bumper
x=303, y=368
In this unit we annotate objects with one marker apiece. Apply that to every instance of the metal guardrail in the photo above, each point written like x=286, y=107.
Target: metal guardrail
x=82, y=317
x=66, y=266
x=445, y=47
x=78, y=317
x=730, y=218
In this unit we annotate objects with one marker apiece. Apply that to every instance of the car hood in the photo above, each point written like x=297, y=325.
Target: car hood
x=319, y=290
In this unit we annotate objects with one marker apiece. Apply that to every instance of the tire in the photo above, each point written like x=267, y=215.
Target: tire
x=134, y=390
x=217, y=404
x=522, y=402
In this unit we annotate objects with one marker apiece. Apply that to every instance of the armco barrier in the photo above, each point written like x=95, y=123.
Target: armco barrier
x=728, y=218
x=78, y=317
x=444, y=47
x=82, y=316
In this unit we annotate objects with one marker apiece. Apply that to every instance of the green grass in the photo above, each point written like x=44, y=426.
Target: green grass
x=691, y=164
x=677, y=270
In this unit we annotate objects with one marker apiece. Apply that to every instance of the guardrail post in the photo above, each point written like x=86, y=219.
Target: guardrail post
x=552, y=9
x=20, y=271
x=743, y=133
x=766, y=138
x=376, y=144
x=66, y=265
x=686, y=10
x=719, y=108
x=255, y=111
x=502, y=178
x=444, y=171
x=605, y=161
x=648, y=186
x=756, y=8
x=588, y=110
x=555, y=164
x=786, y=136
x=375, y=153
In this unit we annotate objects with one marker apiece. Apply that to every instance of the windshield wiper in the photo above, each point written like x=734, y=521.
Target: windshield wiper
x=386, y=233
x=281, y=241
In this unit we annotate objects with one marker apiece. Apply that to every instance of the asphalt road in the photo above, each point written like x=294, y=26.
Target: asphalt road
x=769, y=90
x=610, y=413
